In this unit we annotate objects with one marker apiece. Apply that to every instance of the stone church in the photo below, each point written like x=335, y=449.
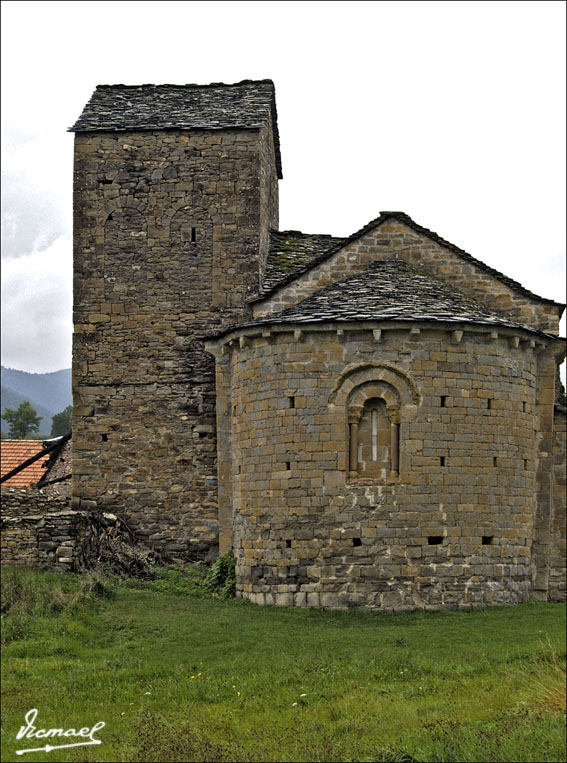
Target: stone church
x=369, y=421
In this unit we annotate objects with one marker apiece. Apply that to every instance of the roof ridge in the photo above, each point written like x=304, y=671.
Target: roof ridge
x=192, y=84
x=405, y=218
x=301, y=233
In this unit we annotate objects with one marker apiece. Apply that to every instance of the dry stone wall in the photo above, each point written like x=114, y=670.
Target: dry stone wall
x=40, y=529
x=453, y=527
x=169, y=227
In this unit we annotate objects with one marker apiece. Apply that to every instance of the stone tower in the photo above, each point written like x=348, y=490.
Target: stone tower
x=175, y=192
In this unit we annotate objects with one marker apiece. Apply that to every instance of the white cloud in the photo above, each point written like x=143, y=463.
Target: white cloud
x=37, y=305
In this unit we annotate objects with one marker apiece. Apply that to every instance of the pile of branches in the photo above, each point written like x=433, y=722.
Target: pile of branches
x=112, y=546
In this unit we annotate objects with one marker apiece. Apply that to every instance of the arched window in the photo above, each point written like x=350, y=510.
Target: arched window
x=374, y=441
x=377, y=398
x=374, y=432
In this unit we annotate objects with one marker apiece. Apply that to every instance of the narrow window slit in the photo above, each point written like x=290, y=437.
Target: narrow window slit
x=288, y=543
x=489, y=403
x=441, y=460
x=526, y=464
x=193, y=235
x=443, y=401
x=494, y=461
x=356, y=542
x=374, y=435
x=105, y=438
x=288, y=465
x=434, y=540
x=291, y=400
x=524, y=406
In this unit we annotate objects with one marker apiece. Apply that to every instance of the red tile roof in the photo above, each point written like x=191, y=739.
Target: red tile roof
x=13, y=453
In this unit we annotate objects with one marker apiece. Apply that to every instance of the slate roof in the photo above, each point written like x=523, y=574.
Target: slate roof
x=291, y=251
x=387, y=290
x=287, y=278
x=15, y=452
x=217, y=106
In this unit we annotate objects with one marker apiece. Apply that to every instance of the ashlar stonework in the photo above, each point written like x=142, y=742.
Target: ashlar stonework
x=363, y=421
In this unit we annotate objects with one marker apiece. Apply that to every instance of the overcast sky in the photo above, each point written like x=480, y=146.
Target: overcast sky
x=453, y=112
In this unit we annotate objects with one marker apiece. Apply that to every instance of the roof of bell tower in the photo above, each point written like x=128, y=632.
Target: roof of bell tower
x=242, y=105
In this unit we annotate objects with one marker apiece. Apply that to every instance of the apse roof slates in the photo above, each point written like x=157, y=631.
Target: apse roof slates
x=386, y=290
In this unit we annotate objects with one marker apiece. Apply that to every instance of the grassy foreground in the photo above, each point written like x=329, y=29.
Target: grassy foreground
x=179, y=676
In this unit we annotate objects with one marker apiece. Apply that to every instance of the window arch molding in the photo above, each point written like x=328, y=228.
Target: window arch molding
x=356, y=375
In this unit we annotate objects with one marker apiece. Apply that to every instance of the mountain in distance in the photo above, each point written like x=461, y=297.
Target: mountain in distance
x=48, y=393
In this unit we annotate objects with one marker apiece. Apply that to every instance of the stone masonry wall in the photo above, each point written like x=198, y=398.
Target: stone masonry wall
x=454, y=528
x=393, y=239
x=39, y=529
x=168, y=228
x=557, y=576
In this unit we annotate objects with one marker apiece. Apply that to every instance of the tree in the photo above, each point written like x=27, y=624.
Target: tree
x=23, y=421
x=61, y=422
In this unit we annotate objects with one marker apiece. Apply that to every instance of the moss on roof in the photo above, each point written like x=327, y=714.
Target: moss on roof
x=291, y=251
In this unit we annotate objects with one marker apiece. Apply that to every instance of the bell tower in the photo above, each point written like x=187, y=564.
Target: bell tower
x=175, y=191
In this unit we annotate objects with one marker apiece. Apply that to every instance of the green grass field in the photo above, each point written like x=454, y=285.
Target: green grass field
x=179, y=676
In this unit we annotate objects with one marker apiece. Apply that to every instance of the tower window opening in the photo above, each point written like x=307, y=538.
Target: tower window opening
x=487, y=540
x=193, y=235
x=443, y=401
x=288, y=543
x=434, y=540
x=356, y=542
x=495, y=461
x=441, y=460
x=489, y=403
x=291, y=401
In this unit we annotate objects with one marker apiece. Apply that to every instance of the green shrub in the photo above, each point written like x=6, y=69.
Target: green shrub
x=220, y=579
